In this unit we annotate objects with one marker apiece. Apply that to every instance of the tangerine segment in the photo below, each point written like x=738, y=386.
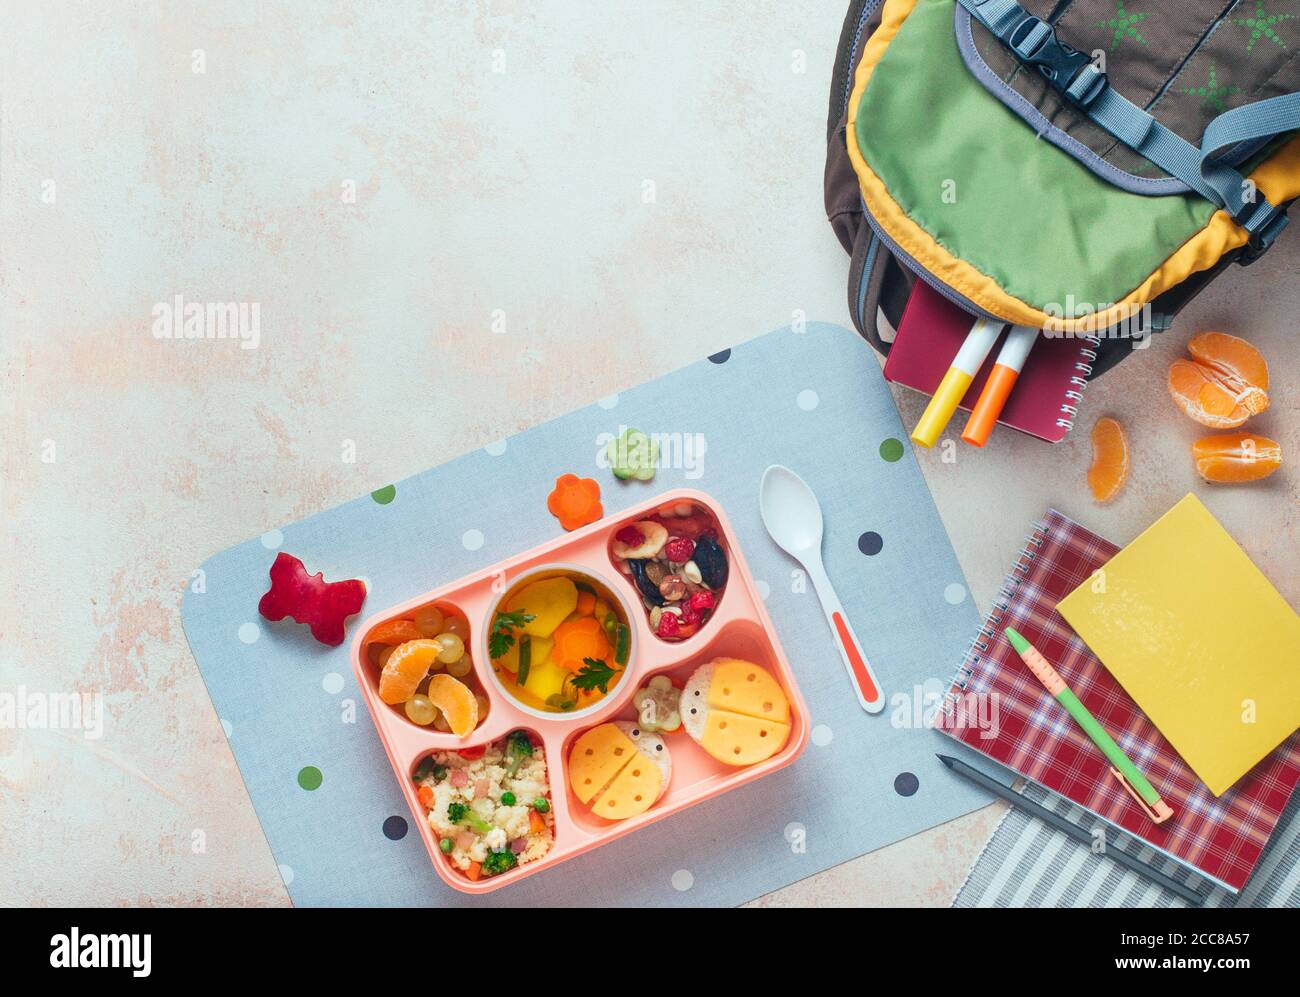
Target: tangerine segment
x=1242, y=368
x=1202, y=395
x=457, y=702
x=406, y=668
x=1235, y=457
x=1110, y=461
x=579, y=639
x=394, y=632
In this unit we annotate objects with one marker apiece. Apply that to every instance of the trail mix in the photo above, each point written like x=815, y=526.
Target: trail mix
x=678, y=566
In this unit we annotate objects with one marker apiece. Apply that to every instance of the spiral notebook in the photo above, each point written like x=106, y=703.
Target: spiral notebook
x=996, y=706
x=1047, y=394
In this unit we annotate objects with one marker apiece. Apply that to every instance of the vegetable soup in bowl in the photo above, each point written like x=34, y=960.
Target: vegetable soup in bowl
x=558, y=641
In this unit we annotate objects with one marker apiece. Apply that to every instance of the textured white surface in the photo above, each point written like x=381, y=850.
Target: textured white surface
x=502, y=261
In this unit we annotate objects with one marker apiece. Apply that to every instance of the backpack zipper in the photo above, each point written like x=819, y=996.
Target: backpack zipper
x=924, y=274
x=868, y=8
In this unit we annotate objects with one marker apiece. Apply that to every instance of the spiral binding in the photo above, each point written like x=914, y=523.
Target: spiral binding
x=1070, y=407
x=991, y=626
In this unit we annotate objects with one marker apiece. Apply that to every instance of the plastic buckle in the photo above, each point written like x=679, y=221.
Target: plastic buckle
x=1263, y=237
x=1060, y=63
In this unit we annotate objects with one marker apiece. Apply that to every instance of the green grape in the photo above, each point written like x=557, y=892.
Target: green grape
x=429, y=621
x=461, y=667
x=453, y=647
x=420, y=711
x=457, y=625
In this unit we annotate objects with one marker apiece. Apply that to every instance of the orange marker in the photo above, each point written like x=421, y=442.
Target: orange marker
x=1011, y=359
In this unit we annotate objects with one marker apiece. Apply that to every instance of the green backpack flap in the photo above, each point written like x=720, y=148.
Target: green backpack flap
x=1080, y=166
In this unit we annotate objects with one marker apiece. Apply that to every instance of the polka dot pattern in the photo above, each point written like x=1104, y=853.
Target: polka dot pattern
x=472, y=539
x=287, y=874
x=906, y=784
x=395, y=828
x=891, y=449
x=384, y=495
x=822, y=735
x=272, y=539
x=870, y=543
x=954, y=594
x=722, y=356
x=807, y=399
x=683, y=880
x=249, y=632
x=310, y=778
x=609, y=401
x=496, y=448
x=332, y=683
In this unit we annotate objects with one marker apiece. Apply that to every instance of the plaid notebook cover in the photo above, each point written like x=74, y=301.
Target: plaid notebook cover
x=997, y=707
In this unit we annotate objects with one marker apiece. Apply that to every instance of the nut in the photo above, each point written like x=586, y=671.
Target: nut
x=655, y=614
x=692, y=572
x=672, y=588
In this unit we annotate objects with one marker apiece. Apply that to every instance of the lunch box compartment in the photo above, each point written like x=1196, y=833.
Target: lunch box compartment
x=634, y=593
x=739, y=627
x=552, y=569
x=369, y=672
x=697, y=775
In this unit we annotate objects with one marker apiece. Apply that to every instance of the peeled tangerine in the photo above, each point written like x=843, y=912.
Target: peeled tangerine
x=1224, y=384
x=1233, y=457
x=456, y=701
x=406, y=668
x=1110, y=460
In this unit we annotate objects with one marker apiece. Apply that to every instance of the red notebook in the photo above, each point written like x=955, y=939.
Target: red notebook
x=1046, y=395
x=1220, y=837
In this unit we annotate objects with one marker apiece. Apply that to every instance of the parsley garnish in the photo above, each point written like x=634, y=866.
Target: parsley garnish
x=594, y=674
x=502, y=636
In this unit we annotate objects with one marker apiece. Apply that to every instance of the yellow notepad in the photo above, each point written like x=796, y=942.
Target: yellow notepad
x=1198, y=637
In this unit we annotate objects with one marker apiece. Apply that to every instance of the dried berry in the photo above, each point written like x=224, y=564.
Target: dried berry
x=703, y=600
x=668, y=625
x=629, y=535
x=690, y=615
x=655, y=571
x=680, y=549
x=648, y=589
x=711, y=561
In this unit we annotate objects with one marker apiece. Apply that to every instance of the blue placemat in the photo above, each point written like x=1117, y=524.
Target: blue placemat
x=813, y=400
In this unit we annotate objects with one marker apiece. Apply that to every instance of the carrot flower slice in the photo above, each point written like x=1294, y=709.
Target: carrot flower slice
x=575, y=501
x=579, y=639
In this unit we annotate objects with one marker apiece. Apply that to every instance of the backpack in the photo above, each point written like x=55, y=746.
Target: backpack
x=1080, y=166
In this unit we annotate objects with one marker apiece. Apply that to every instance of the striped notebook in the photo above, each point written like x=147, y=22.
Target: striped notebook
x=996, y=706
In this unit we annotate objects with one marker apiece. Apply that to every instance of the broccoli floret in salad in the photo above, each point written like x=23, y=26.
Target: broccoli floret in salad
x=519, y=748
x=460, y=813
x=499, y=861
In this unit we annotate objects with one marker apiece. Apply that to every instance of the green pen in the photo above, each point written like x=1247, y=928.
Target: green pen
x=1124, y=770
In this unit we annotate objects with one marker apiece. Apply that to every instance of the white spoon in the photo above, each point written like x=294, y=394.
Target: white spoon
x=793, y=517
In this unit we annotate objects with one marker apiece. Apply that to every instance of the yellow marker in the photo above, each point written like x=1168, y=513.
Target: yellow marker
x=983, y=334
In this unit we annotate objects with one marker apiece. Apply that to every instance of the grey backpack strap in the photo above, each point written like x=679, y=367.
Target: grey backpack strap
x=876, y=283
x=1074, y=75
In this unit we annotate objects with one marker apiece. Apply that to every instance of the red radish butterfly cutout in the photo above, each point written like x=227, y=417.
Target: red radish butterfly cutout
x=311, y=599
